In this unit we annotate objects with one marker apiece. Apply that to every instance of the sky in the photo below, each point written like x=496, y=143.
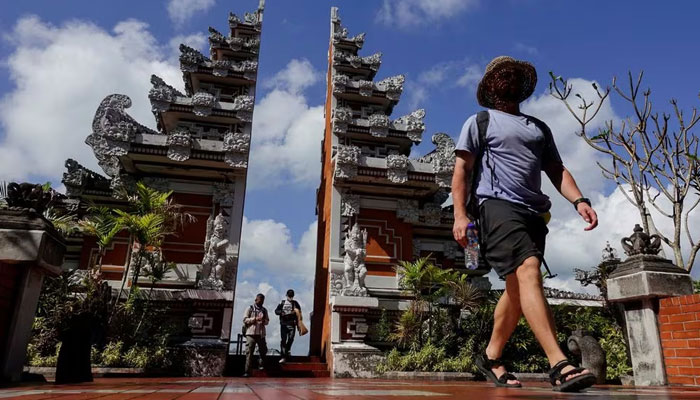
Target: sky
x=58, y=60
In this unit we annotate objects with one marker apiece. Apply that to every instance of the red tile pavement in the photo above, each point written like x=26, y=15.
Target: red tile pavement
x=316, y=389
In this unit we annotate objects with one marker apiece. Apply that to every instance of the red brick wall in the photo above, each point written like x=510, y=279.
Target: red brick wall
x=679, y=324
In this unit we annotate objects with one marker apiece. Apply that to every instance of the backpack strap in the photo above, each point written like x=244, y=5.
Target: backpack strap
x=482, y=124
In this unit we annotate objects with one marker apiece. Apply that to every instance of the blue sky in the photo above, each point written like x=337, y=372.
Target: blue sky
x=441, y=45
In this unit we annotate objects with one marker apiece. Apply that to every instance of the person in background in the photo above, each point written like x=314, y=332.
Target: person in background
x=288, y=311
x=254, y=321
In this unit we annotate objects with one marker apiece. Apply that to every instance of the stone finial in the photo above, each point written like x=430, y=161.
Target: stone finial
x=610, y=253
x=641, y=243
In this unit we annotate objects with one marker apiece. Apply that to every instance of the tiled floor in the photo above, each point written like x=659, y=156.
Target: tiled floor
x=318, y=389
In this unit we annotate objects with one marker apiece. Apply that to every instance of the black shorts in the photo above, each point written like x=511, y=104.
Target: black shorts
x=510, y=233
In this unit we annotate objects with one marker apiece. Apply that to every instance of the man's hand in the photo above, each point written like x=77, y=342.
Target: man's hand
x=588, y=215
x=459, y=230
x=259, y=317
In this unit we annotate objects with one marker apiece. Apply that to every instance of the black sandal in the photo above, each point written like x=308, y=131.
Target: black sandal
x=574, y=384
x=484, y=364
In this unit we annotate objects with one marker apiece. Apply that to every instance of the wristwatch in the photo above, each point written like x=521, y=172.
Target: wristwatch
x=581, y=200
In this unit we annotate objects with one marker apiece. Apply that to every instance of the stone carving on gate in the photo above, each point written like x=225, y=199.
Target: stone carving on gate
x=379, y=125
x=342, y=34
x=217, y=260
x=179, y=144
x=350, y=205
x=443, y=159
x=355, y=270
x=162, y=94
x=342, y=117
x=347, y=159
x=397, y=168
x=243, y=105
x=432, y=214
x=365, y=88
x=407, y=210
x=337, y=285
x=413, y=125
x=392, y=86
x=191, y=59
x=236, y=145
x=203, y=103
x=112, y=132
x=224, y=194
x=77, y=177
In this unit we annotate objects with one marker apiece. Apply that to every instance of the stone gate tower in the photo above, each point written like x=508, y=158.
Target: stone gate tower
x=200, y=152
x=376, y=205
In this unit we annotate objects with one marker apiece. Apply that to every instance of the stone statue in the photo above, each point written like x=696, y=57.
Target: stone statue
x=216, y=259
x=592, y=355
x=354, y=260
x=641, y=243
x=30, y=196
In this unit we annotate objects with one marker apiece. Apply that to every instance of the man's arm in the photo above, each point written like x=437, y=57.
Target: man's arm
x=278, y=310
x=266, y=319
x=565, y=183
x=461, y=185
x=246, y=317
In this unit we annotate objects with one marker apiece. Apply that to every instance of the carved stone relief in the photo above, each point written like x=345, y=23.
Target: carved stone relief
x=397, y=168
x=346, y=161
x=179, y=144
x=236, y=145
x=350, y=205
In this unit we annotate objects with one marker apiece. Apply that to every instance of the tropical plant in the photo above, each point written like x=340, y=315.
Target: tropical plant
x=151, y=217
x=465, y=295
x=426, y=282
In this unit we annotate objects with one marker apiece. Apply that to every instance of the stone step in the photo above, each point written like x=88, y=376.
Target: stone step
x=291, y=374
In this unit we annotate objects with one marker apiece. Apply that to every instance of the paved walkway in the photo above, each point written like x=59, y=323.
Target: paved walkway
x=317, y=389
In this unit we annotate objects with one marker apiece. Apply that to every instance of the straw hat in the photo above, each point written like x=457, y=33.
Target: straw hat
x=527, y=70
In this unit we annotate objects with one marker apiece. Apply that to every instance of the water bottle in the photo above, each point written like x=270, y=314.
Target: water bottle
x=471, y=252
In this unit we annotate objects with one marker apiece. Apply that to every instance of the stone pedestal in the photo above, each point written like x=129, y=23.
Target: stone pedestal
x=30, y=248
x=205, y=315
x=352, y=358
x=638, y=283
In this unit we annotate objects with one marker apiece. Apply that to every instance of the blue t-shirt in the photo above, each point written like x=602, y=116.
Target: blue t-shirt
x=516, y=152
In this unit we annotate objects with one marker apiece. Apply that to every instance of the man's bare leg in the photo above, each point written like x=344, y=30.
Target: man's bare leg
x=537, y=312
x=505, y=319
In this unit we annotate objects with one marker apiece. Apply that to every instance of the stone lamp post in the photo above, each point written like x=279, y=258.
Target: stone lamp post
x=30, y=248
x=638, y=283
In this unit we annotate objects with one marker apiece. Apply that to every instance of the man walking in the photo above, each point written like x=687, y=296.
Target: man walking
x=254, y=321
x=287, y=311
x=501, y=154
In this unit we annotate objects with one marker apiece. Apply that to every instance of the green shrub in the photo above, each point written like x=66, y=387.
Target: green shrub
x=112, y=354
x=453, y=348
x=137, y=357
x=36, y=359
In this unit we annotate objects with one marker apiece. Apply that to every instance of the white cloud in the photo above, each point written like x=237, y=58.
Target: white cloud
x=287, y=131
x=407, y=13
x=441, y=76
x=60, y=75
x=470, y=77
x=297, y=76
x=523, y=48
x=270, y=243
x=180, y=11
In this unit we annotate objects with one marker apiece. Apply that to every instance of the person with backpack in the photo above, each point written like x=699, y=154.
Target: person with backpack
x=288, y=311
x=254, y=321
x=500, y=156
